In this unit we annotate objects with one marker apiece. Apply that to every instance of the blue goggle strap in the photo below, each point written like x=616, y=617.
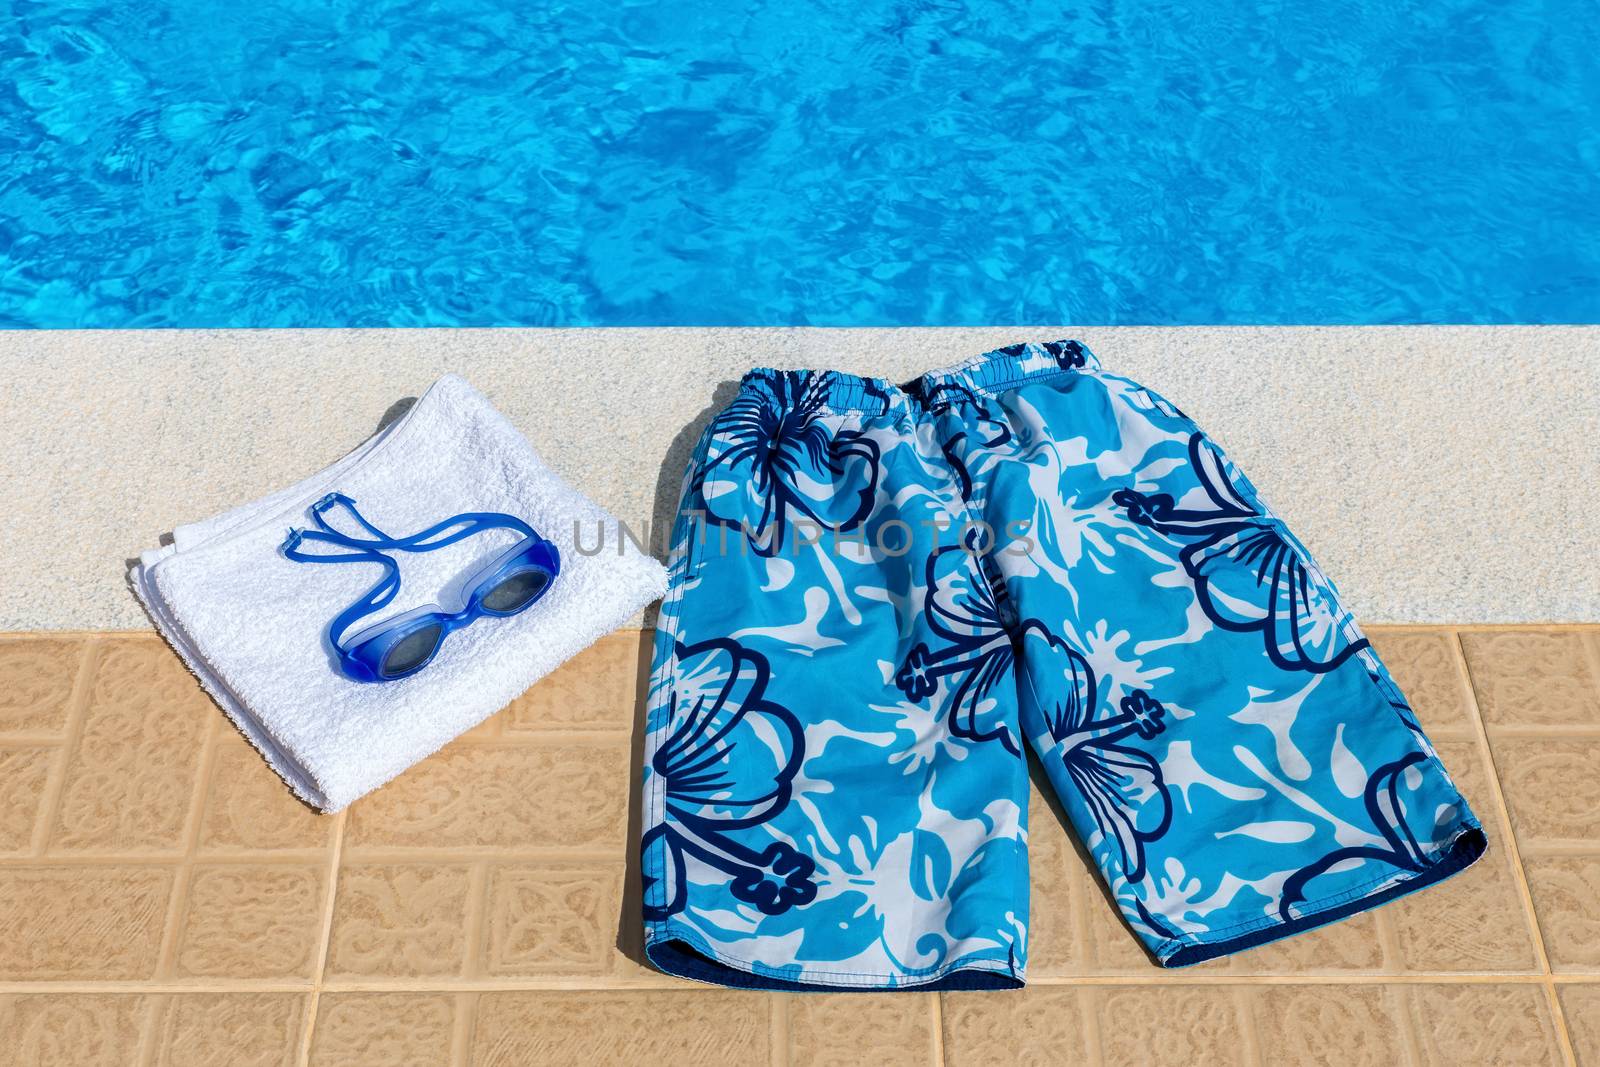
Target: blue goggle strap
x=438, y=536
x=374, y=599
x=320, y=509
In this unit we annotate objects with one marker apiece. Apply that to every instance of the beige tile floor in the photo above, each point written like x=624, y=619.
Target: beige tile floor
x=164, y=900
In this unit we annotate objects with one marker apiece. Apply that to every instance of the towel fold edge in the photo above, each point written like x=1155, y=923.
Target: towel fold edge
x=294, y=775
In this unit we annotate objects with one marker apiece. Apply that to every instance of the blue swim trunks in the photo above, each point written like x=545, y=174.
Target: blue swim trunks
x=882, y=595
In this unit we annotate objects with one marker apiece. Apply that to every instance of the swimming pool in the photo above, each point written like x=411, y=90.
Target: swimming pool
x=468, y=162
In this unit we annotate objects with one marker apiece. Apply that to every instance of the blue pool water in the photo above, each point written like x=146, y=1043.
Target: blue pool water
x=840, y=162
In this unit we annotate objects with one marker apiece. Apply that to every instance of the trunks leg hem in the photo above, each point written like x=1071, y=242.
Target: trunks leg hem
x=677, y=953
x=1463, y=850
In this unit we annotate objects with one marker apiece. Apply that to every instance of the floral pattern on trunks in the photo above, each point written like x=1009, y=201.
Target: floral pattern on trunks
x=847, y=671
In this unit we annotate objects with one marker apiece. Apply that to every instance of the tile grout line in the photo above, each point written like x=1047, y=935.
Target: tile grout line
x=778, y=1030
x=150, y=1031
x=1559, y=1018
x=183, y=870
x=324, y=940
x=514, y=985
x=1498, y=798
x=36, y=740
x=1390, y=953
x=1591, y=645
x=1089, y=1017
x=480, y=854
x=34, y=635
x=1078, y=919
x=152, y=988
x=463, y=1028
x=474, y=924
x=1544, y=733
x=1464, y=671
x=1570, y=848
x=1407, y=1025
x=170, y=858
x=56, y=783
x=1243, y=997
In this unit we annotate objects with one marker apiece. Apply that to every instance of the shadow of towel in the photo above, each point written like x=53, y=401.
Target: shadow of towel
x=395, y=410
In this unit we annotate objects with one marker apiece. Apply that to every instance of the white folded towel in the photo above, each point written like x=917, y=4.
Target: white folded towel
x=251, y=624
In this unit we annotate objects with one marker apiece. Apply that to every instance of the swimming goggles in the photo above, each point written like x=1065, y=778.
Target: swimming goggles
x=508, y=583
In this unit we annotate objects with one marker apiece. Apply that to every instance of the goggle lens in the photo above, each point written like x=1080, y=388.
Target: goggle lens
x=515, y=592
x=411, y=651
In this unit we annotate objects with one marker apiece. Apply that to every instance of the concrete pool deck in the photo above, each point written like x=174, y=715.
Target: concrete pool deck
x=1440, y=474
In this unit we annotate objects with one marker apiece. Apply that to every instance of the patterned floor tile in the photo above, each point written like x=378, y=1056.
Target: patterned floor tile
x=384, y=1030
x=552, y=919
x=1040, y=1026
x=502, y=860
x=1350, y=946
x=24, y=774
x=81, y=1030
x=1056, y=874
x=1136, y=1025
x=1469, y=769
x=593, y=1029
x=596, y=690
x=489, y=729
x=131, y=775
x=1566, y=894
x=1475, y=920
x=558, y=795
x=82, y=923
x=237, y=1029
x=248, y=807
x=400, y=920
x=1534, y=678
x=1427, y=668
x=1551, y=788
x=251, y=921
x=883, y=1029
x=1347, y=1026
x=1075, y=928
x=1580, y=1004
x=1481, y=1023
x=36, y=680
x=1110, y=946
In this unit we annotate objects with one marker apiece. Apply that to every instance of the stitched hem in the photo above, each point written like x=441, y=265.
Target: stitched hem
x=1464, y=848
x=681, y=951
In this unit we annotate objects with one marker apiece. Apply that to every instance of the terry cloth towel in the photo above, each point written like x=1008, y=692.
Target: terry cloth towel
x=251, y=624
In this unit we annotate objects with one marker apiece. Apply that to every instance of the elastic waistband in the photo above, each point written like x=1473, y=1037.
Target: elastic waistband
x=992, y=372
x=1005, y=368
x=824, y=390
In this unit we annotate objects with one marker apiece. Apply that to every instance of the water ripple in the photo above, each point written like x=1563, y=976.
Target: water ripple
x=473, y=162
